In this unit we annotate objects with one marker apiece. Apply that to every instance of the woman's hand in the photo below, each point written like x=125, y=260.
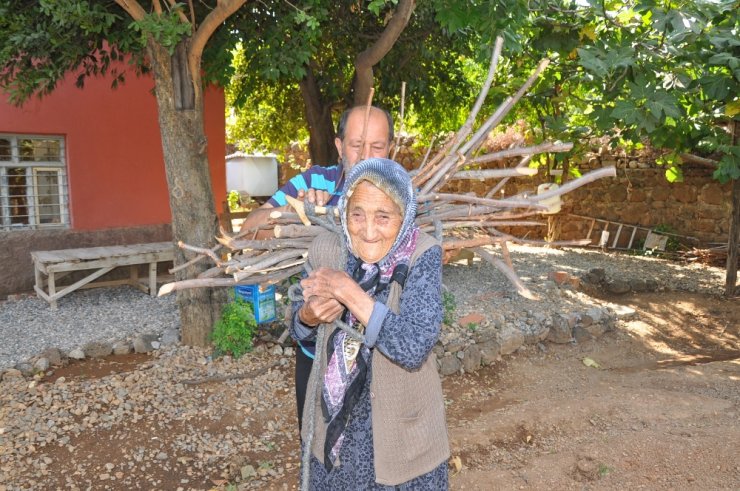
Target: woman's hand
x=339, y=286
x=320, y=310
x=327, y=283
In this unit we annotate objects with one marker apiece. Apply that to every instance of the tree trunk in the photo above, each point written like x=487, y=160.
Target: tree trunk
x=734, y=240
x=194, y=220
x=320, y=127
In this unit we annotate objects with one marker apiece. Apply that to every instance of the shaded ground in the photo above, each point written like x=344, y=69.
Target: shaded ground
x=661, y=412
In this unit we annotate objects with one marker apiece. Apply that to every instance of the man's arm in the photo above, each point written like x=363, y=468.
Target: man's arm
x=261, y=215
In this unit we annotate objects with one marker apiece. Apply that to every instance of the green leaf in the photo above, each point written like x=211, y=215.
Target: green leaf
x=663, y=104
x=674, y=174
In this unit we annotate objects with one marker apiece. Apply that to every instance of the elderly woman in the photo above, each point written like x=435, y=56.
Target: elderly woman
x=379, y=419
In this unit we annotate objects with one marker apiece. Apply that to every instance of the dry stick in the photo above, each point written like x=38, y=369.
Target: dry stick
x=440, y=174
x=501, y=203
x=267, y=244
x=514, y=152
x=400, y=124
x=226, y=282
x=510, y=274
x=200, y=250
x=268, y=262
x=426, y=155
x=263, y=260
x=467, y=127
x=576, y=183
x=525, y=161
x=453, y=243
x=494, y=173
x=505, y=252
x=215, y=248
x=452, y=146
x=424, y=172
x=296, y=231
x=281, y=266
x=502, y=111
x=480, y=224
x=238, y=376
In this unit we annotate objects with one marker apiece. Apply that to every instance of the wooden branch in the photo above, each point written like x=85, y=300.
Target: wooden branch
x=201, y=35
x=514, y=152
x=270, y=260
x=576, y=183
x=695, y=159
x=180, y=13
x=444, y=170
x=374, y=53
x=517, y=240
x=500, y=203
x=468, y=125
x=494, y=173
x=199, y=250
x=133, y=8
x=508, y=272
x=295, y=231
x=522, y=163
x=452, y=225
x=228, y=282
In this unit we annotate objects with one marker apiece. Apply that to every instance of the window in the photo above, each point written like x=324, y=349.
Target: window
x=33, y=182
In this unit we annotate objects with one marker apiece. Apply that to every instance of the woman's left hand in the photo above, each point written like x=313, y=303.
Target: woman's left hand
x=327, y=283
x=330, y=283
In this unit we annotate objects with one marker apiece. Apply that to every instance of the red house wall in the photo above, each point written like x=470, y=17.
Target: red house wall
x=115, y=164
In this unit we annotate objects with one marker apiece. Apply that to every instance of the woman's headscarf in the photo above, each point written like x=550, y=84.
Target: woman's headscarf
x=346, y=370
x=391, y=178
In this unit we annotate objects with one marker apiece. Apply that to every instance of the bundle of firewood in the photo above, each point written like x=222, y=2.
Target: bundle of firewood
x=459, y=221
x=710, y=256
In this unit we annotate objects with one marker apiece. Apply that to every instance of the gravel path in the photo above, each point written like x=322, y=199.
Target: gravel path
x=29, y=325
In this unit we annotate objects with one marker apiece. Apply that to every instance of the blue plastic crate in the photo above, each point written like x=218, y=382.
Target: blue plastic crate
x=262, y=300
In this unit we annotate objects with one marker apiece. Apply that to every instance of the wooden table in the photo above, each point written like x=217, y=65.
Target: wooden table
x=50, y=266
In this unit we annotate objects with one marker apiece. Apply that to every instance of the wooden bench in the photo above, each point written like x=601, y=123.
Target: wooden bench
x=50, y=266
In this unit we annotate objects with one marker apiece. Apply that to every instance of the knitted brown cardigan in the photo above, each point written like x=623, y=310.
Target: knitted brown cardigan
x=409, y=430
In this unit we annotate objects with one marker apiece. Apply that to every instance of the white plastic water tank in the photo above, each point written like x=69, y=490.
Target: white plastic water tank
x=256, y=175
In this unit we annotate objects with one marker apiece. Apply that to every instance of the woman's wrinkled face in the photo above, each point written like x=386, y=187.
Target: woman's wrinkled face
x=373, y=222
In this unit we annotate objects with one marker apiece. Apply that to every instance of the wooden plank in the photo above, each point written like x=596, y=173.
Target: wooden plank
x=139, y=258
x=153, y=279
x=632, y=237
x=616, y=237
x=74, y=286
x=591, y=228
x=94, y=253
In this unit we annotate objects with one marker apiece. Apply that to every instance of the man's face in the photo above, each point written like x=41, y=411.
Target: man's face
x=351, y=150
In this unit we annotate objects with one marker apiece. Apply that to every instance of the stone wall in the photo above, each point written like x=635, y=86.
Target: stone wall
x=16, y=267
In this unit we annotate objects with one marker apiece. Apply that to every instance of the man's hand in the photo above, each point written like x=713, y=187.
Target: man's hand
x=315, y=196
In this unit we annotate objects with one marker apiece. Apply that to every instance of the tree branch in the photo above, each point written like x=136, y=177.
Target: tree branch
x=206, y=29
x=372, y=55
x=133, y=8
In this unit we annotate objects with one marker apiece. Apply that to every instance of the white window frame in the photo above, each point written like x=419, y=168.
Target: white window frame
x=32, y=195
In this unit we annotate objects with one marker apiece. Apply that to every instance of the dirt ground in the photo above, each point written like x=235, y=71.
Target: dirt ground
x=661, y=411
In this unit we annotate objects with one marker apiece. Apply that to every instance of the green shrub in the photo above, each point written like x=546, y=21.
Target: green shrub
x=233, y=332
x=449, y=306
